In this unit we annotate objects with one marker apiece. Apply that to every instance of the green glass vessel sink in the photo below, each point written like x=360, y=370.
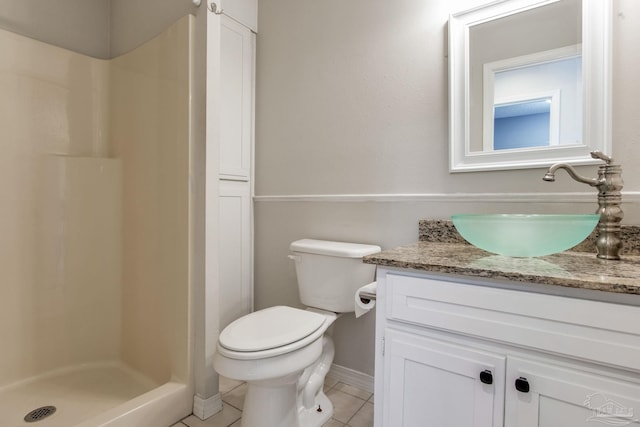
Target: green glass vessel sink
x=521, y=235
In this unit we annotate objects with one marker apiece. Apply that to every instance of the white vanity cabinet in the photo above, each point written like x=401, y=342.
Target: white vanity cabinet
x=454, y=354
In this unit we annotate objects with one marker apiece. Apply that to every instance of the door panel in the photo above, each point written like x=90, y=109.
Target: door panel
x=561, y=396
x=432, y=383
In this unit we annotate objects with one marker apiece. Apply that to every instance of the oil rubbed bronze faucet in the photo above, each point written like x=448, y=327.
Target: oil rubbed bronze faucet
x=609, y=183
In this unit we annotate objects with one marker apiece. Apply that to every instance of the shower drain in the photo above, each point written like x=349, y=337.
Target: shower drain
x=39, y=414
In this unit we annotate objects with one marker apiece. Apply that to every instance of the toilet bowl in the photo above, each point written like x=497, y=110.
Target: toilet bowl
x=284, y=353
x=272, y=367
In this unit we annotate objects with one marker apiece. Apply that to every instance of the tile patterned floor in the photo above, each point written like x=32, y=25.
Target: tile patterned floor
x=352, y=407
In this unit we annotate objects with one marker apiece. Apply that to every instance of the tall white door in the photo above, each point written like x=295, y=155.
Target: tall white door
x=237, y=51
x=236, y=112
x=235, y=251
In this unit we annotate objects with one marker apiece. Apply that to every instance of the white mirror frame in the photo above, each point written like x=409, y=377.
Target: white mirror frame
x=596, y=69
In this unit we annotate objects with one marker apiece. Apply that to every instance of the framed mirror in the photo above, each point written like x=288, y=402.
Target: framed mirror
x=529, y=84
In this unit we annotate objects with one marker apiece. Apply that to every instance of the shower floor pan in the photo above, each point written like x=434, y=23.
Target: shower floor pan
x=86, y=395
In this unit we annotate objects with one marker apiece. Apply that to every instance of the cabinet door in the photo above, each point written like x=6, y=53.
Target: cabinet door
x=560, y=396
x=431, y=383
x=236, y=115
x=235, y=251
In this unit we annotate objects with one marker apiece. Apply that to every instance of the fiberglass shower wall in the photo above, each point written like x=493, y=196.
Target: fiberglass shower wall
x=149, y=128
x=94, y=207
x=60, y=210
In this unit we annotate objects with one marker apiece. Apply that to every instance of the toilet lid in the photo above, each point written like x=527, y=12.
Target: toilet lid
x=270, y=328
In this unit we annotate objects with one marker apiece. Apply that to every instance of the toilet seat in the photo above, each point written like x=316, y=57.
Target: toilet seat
x=272, y=331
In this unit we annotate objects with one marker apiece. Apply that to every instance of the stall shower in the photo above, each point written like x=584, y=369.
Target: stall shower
x=94, y=219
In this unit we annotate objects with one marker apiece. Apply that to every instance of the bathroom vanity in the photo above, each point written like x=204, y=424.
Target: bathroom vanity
x=464, y=338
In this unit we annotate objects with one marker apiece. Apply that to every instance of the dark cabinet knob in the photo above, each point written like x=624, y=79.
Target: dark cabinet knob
x=522, y=385
x=486, y=377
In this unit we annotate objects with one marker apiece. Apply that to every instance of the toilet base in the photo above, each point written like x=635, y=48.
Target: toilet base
x=271, y=403
x=314, y=417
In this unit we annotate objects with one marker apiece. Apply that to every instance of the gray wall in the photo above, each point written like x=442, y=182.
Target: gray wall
x=135, y=21
x=98, y=28
x=352, y=138
x=78, y=25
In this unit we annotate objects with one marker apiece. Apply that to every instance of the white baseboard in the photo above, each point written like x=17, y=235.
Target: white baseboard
x=204, y=408
x=351, y=377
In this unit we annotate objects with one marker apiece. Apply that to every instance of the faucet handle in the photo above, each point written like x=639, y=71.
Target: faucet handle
x=600, y=155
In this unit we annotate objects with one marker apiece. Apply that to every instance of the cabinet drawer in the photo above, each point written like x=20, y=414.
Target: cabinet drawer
x=590, y=330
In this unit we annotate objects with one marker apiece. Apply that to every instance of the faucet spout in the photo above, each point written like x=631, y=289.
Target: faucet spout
x=550, y=176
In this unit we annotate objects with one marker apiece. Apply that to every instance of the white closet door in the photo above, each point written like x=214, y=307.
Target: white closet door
x=236, y=70
x=235, y=251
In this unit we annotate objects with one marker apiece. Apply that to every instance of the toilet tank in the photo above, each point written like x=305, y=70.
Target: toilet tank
x=329, y=273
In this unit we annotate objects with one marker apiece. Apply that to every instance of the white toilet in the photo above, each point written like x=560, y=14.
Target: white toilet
x=284, y=353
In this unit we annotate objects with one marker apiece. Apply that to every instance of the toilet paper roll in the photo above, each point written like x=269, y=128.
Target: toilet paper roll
x=363, y=304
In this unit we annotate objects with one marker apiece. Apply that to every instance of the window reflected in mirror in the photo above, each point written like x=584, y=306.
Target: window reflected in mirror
x=522, y=124
x=534, y=101
x=518, y=47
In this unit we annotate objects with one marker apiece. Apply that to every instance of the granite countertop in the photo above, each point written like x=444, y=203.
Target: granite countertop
x=442, y=250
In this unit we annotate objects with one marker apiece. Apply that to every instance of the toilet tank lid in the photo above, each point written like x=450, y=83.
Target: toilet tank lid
x=337, y=249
